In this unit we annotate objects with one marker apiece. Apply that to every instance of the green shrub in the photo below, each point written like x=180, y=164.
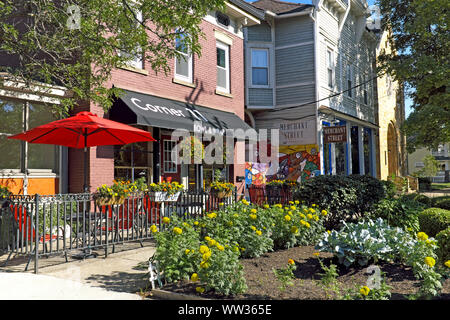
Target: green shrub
x=433, y=220
x=344, y=197
x=401, y=212
x=423, y=199
x=443, y=251
x=390, y=188
x=441, y=202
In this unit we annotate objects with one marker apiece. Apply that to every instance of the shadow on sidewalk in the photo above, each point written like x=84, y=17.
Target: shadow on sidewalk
x=119, y=281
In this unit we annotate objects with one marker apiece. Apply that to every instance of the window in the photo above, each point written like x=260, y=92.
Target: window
x=420, y=165
x=134, y=59
x=223, y=67
x=20, y=155
x=260, y=67
x=169, y=164
x=330, y=68
x=222, y=19
x=349, y=81
x=183, y=64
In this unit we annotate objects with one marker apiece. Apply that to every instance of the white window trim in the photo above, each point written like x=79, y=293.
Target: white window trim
x=332, y=67
x=174, y=161
x=268, y=68
x=226, y=48
x=137, y=61
x=349, y=77
x=190, y=77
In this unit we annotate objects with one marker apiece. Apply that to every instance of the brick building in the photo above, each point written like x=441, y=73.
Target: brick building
x=197, y=88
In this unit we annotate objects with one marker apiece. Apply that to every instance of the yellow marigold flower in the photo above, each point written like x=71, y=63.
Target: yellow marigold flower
x=253, y=211
x=236, y=249
x=207, y=238
x=220, y=247
x=287, y=217
x=278, y=205
x=221, y=203
x=187, y=251
x=290, y=213
x=245, y=202
x=196, y=223
x=253, y=216
x=253, y=228
x=422, y=236
x=364, y=290
x=297, y=202
x=329, y=232
x=291, y=202
x=245, y=210
x=324, y=212
x=212, y=215
x=206, y=256
x=153, y=229
x=230, y=223
x=266, y=206
x=291, y=262
x=203, y=249
x=316, y=254
x=286, y=208
x=204, y=265
x=200, y=289
x=302, y=216
x=212, y=242
x=307, y=225
x=302, y=222
x=447, y=263
x=177, y=230
x=314, y=205
x=309, y=216
x=429, y=261
x=316, y=217
x=194, y=277
x=242, y=249
x=235, y=215
x=294, y=229
x=258, y=232
x=166, y=220
x=293, y=208
x=312, y=210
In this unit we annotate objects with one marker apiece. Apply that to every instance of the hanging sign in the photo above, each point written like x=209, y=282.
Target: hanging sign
x=300, y=132
x=336, y=134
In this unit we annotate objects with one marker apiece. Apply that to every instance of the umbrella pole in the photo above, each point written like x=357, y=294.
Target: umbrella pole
x=132, y=163
x=85, y=187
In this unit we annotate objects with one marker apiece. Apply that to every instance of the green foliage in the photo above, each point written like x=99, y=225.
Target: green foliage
x=171, y=253
x=441, y=202
x=430, y=169
x=433, y=220
x=390, y=188
x=398, y=212
x=375, y=240
x=443, y=239
x=285, y=275
x=52, y=53
x=344, y=197
x=421, y=42
x=4, y=192
x=364, y=293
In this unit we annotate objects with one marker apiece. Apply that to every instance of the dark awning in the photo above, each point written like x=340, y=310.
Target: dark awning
x=148, y=110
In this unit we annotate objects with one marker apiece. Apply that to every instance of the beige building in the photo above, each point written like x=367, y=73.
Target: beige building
x=391, y=144
x=442, y=155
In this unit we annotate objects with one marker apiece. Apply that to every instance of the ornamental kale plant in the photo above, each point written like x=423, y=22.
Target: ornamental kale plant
x=377, y=241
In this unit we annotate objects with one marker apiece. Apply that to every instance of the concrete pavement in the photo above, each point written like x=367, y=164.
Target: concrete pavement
x=117, y=277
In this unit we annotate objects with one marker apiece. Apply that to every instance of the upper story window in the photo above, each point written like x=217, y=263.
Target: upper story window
x=330, y=68
x=222, y=19
x=364, y=90
x=134, y=59
x=183, y=63
x=223, y=67
x=349, y=77
x=260, y=67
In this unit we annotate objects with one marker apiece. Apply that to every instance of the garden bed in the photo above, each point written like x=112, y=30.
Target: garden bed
x=263, y=285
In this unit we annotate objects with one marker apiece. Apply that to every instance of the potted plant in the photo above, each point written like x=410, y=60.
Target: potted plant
x=104, y=195
x=275, y=184
x=222, y=189
x=165, y=191
x=4, y=194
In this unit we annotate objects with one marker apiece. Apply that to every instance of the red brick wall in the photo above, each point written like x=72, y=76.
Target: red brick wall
x=102, y=168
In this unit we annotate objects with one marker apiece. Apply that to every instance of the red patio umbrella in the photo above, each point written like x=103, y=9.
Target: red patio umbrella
x=83, y=131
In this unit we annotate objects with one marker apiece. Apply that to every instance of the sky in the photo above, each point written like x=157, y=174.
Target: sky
x=408, y=101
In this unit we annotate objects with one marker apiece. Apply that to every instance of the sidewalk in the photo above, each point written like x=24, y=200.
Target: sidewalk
x=114, y=278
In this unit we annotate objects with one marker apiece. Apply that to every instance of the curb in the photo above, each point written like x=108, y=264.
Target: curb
x=167, y=295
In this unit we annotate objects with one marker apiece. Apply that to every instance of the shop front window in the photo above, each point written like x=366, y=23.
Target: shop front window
x=18, y=116
x=367, y=152
x=355, y=150
x=339, y=151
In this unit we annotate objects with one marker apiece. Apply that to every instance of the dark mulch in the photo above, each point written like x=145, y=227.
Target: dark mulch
x=263, y=285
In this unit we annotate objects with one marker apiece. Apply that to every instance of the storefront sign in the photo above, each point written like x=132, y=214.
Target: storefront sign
x=335, y=134
x=301, y=132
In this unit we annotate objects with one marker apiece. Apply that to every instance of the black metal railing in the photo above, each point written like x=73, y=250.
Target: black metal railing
x=37, y=226
x=260, y=195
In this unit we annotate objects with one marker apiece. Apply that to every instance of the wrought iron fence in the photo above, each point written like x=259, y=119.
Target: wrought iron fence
x=37, y=226
x=260, y=195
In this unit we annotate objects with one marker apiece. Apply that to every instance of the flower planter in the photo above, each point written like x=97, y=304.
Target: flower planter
x=159, y=196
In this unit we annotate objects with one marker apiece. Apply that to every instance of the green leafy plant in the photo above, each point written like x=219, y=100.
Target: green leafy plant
x=328, y=279
x=4, y=192
x=441, y=202
x=433, y=220
x=443, y=251
x=285, y=275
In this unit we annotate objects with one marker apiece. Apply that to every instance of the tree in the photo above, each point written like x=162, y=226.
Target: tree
x=430, y=169
x=420, y=60
x=77, y=43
